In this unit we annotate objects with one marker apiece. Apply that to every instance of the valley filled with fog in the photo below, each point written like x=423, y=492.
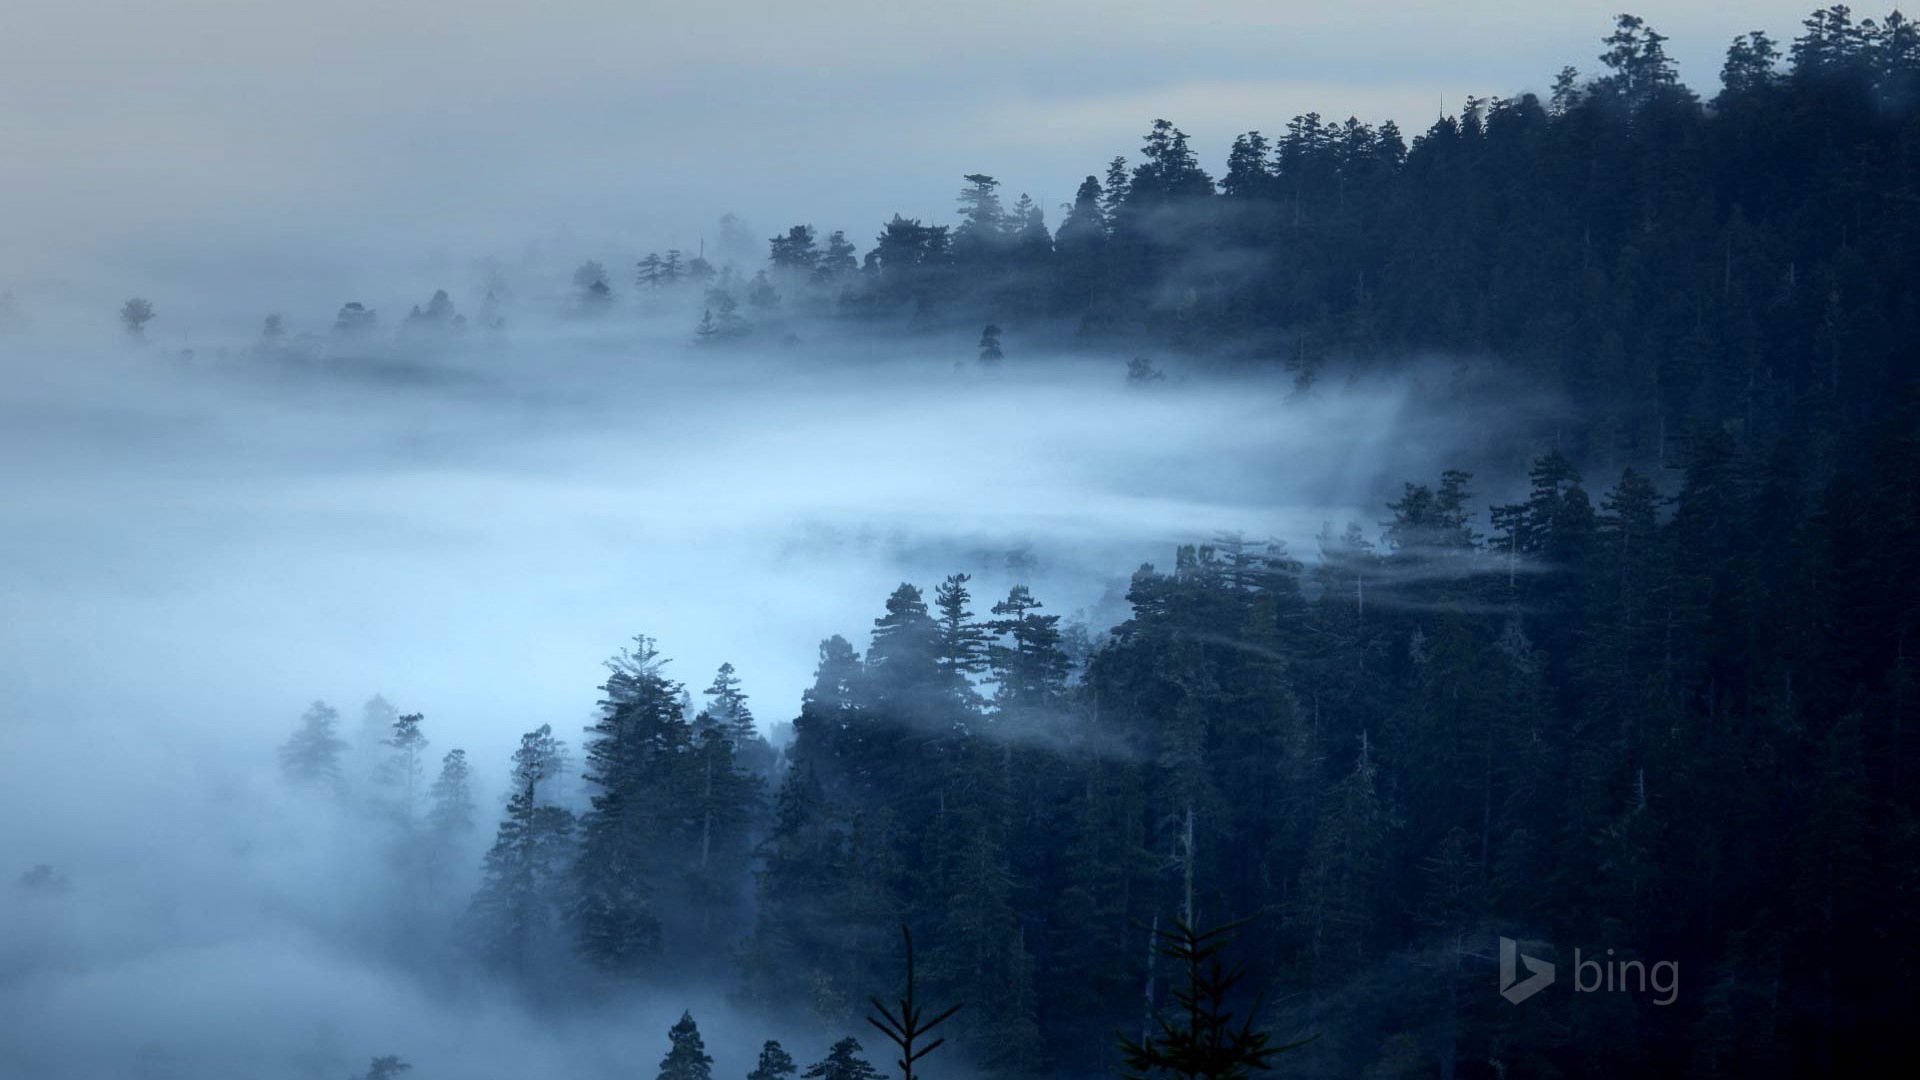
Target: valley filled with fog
x=196, y=548
x=584, y=543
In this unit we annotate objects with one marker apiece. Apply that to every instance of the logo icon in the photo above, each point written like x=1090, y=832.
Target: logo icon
x=1539, y=978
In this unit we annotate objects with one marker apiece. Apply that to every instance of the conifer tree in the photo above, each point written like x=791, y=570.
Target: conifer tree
x=687, y=1058
x=843, y=1062
x=795, y=252
x=650, y=271
x=628, y=837
x=906, y=1023
x=387, y=1068
x=517, y=912
x=962, y=638
x=761, y=293
x=135, y=314
x=369, y=752
x=450, y=818
x=1201, y=1040
x=311, y=756
x=774, y=1064
x=837, y=261
x=903, y=659
x=403, y=771
x=1030, y=670
x=990, y=353
x=728, y=707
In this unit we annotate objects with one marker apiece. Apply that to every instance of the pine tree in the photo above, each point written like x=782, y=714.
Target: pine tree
x=687, y=1059
x=906, y=1023
x=403, y=771
x=1030, y=671
x=962, y=638
x=761, y=293
x=387, y=1068
x=450, y=819
x=1119, y=186
x=728, y=709
x=311, y=756
x=843, y=1062
x=590, y=287
x=1202, y=1042
x=982, y=220
x=795, y=252
x=903, y=664
x=775, y=1063
x=837, y=261
x=1084, y=229
x=990, y=353
x=722, y=801
x=628, y=841
x=517, y=912
x=376, y=724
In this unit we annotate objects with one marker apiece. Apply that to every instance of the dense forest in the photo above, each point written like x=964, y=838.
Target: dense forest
x=1655, y=711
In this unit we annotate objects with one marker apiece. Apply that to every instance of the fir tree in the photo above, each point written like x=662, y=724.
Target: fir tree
x=311, y=756
x=962, y=638
x=843, y=1062
x=775, y=1063
x=516, y=914
x=1201, y=1039
x=687, y=1059
x=377, y=718
x=650, y=271
x=627, y=836
x=450, y=818
x=795, y=252
x=387, y=1068
x=990, y=353
x=403, y=771
x=728, y=707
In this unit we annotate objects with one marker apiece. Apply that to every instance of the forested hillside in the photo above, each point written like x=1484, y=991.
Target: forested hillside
x=1657, y=710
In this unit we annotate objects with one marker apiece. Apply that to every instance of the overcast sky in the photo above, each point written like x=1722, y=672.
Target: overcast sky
x=264, y=148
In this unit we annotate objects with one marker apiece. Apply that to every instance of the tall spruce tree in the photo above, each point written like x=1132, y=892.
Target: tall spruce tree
x=402, y=772
x=629, y=836
x=516, y=920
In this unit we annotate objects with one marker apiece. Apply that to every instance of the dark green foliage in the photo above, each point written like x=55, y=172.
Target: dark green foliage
x=963, y=639
x=515, y=919
x=795, y=252
x=687, y=1059
x=1201, y=1038
x=775, y=1063
x=1643, y=683
x=627, y=836
x=843, y=1062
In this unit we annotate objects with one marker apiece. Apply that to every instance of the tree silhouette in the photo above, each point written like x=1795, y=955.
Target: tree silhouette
x=905, y=1025
x=1203, y=1041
